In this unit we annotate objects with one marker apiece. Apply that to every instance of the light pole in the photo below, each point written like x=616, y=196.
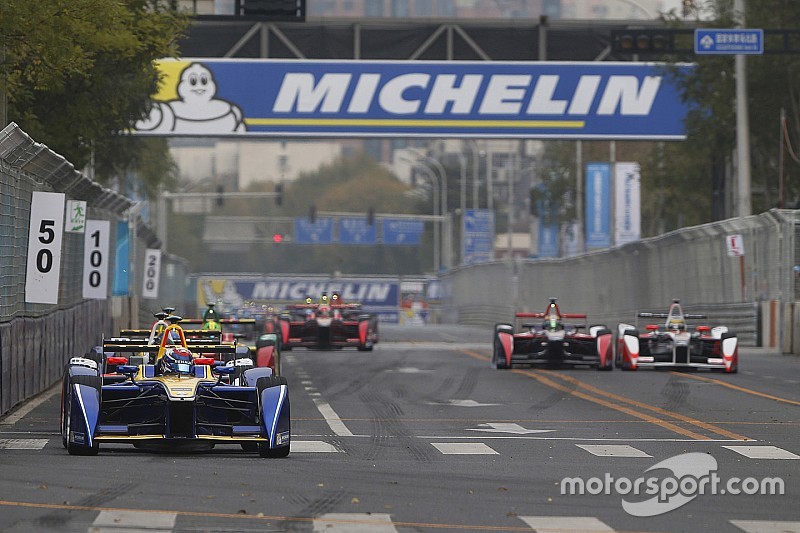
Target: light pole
x=435, y=186
x=446, y=236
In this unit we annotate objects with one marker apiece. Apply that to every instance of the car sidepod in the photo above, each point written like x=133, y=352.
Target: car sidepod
x=273, y=395
x=503, y=346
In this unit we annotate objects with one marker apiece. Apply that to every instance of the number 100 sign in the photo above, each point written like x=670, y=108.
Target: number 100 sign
x=95, y=259
x=44, y=247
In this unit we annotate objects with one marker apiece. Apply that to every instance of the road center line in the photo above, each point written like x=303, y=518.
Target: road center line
x=738, y=388
x=641, y=405
x=541, y=376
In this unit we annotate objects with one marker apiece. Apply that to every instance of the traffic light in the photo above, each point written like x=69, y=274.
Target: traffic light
x=277, y=238
x=279, y=194
x=312, y=213
x=643, y=41
x=371, y=216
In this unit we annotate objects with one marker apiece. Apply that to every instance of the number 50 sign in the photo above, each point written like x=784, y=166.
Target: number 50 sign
x=44, y=248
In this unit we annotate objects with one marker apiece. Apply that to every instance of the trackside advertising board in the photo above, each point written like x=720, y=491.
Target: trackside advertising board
x=379, y=296
x=581, y=100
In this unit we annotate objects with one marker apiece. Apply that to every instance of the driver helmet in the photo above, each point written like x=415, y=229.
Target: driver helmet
x=176, y=360
x=211, y=325
x=553, y=323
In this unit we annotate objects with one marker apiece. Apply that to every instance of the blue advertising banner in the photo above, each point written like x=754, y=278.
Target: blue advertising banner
x=121, y=260
x=598, y=205
x=319, y=232
x=478, y=235
x=357, y=231
x=265, y=97
x=548, y=239
x=402, y=231
x=380, y=296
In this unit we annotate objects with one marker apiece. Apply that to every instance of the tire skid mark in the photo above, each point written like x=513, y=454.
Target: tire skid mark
x=622, y=404
x=387, y=423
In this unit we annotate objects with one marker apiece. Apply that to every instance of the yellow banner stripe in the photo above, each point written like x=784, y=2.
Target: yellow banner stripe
x=403, y=123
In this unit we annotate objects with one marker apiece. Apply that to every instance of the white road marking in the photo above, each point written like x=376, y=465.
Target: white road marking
x=313, y=446
x=409, y=370
x=354, y=522
x=332, y=419
x=23, y=444
x=763, y=452
x=560, y=524
x=613, y=450
x=766, y=526
x=505, y=427
x=463, y=403
x=464, y=448
x=133, y=521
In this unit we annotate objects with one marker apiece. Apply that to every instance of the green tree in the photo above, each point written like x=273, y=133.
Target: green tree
x=773, y=83
x=78, y=73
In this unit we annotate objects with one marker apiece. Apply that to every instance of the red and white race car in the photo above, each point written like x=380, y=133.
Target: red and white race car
x=552, y=341
x=676, y=343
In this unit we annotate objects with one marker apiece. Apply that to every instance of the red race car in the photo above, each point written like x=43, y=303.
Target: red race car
x=677, y=344
x=328, y=324
x=552, y=341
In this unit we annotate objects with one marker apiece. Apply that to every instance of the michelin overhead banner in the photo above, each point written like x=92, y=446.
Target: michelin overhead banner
x=263, y=97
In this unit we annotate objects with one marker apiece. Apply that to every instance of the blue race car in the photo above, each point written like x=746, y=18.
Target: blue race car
x=173, y=400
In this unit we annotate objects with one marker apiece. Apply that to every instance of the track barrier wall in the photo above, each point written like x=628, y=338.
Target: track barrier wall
x=751, y=294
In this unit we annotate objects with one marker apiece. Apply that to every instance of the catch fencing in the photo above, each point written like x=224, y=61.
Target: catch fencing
x=36, y=339
x=611, y=286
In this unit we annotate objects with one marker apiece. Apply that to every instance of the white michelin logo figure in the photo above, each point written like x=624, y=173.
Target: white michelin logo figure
x=196, y=110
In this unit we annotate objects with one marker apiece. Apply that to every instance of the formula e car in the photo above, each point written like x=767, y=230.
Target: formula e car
x=328, y=324
x=177, y=402
x=676, y=343
x=552, y=341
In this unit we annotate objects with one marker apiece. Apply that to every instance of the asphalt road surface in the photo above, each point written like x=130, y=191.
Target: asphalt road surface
x=423, y=435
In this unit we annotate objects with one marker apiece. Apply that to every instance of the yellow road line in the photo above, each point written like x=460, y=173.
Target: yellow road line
x=738, y=388
x=262, y=517
x=659, y=410
x=640, y=405
x=647, y=418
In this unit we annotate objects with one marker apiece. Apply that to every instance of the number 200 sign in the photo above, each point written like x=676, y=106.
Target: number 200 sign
x=152, y=271
x=44, y=248
x=95, y=259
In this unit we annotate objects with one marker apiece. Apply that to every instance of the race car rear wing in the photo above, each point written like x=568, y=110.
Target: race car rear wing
x=119, y=346
x=221, y=321
x=543, y=315
x=687, y=316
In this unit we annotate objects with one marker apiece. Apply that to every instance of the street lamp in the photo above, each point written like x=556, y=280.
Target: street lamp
x=435, y=186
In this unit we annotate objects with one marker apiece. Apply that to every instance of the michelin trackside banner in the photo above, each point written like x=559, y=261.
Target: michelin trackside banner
x=263, y=97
